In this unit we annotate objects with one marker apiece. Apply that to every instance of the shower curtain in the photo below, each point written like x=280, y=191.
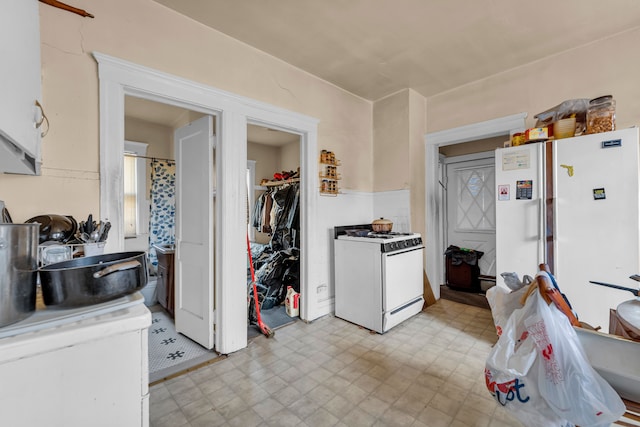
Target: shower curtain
x=163, y=206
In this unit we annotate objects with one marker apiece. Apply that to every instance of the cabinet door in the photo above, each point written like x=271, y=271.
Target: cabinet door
x=20, y=87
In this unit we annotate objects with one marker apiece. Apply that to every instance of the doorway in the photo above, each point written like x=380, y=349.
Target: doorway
x=273, y=169
x=119, y=78
x=160, y=216
x=452, y=139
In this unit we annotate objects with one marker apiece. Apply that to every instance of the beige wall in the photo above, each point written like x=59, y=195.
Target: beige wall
x=399, y=123
x=391, y=142
x=267, y=159
x=159, y=137
x=608, y=66
x=144, y=32
x=417, y=130
x=290, y=156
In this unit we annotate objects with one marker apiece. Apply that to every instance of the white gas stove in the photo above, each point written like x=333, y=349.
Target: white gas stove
x=378, y=276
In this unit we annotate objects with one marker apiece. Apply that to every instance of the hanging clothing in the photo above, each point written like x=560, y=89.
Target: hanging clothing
x=276, y=212
x=277, y=264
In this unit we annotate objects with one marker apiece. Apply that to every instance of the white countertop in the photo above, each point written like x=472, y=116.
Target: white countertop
x=52, y=317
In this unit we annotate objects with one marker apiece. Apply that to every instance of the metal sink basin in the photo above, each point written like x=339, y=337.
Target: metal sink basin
x=166, y=249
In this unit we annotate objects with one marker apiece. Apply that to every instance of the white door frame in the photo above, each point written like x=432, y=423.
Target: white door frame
x=433, y=199
x=118, y=78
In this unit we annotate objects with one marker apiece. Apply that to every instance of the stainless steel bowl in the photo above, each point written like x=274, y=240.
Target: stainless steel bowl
x=18, y=271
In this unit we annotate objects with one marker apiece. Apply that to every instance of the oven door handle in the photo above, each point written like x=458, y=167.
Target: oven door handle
x=404, y=251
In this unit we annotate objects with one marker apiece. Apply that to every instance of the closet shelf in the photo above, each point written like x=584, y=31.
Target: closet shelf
x=277, y=183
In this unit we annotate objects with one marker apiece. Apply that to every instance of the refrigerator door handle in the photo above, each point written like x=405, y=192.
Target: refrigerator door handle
x=542, y=205
x=541, y=229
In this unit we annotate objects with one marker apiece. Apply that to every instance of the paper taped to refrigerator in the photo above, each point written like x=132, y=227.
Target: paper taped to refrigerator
x=516, y=160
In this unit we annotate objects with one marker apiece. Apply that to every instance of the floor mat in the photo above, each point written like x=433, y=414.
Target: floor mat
x=171, y=352
x=274, y=318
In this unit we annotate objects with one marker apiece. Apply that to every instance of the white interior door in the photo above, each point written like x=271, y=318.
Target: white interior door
x=194, y=231
x=471, y=210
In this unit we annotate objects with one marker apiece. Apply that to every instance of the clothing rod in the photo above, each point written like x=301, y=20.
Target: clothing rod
x=150, y=158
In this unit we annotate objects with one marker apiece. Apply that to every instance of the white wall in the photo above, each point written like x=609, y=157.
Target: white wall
x=394, y=206
x=348, y=208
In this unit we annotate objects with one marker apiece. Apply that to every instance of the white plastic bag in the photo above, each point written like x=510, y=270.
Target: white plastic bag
x=539, y=372
x=511, y=372
x=503, y=303
x=567, y=381
x=514, y=353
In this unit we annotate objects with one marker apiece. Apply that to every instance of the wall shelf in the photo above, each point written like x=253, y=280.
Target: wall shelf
x=329, y=175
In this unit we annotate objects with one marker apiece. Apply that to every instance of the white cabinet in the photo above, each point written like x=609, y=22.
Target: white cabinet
x=20, y=87
x=89, y=372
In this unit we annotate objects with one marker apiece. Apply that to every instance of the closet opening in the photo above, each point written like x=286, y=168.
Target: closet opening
x=273, y=225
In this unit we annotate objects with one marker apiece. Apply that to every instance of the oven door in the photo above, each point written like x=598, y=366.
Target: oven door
x=402, y=287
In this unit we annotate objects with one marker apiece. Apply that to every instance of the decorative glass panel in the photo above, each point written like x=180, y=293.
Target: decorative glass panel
x=476, y=202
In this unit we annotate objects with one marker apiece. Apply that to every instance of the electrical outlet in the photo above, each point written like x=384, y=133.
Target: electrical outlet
x=322, y=292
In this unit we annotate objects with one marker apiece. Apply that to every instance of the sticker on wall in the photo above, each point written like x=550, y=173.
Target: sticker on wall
x=524, y=190
x=599, y=194
x=503, y=192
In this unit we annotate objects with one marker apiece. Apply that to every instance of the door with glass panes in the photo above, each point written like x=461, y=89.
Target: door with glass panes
x=470, y=202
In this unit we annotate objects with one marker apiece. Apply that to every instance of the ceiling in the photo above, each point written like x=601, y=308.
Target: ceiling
x=373, y=48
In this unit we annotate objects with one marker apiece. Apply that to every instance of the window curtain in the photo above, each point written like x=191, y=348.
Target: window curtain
x=163, y=206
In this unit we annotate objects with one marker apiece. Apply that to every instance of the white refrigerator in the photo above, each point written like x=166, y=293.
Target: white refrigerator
x=572, y=203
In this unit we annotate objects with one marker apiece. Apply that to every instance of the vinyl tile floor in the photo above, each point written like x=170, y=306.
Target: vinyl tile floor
x=427, y=371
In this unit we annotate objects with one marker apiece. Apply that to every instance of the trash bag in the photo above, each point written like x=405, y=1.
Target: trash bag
x=272, y=279
x=459, y=255
x=539, y=372
x=568, y=382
